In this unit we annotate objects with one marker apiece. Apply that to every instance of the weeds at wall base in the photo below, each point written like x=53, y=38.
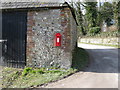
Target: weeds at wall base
x=35, y=77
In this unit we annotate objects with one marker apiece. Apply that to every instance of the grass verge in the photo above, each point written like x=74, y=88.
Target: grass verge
x=116, y=46
x=34, y=77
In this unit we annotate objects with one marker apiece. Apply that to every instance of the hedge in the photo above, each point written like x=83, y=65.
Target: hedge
x=105, y=34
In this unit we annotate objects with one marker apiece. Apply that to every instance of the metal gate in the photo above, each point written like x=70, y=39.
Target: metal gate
x=14, y=27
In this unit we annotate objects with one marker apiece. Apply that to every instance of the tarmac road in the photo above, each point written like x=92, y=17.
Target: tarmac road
x=101, y=73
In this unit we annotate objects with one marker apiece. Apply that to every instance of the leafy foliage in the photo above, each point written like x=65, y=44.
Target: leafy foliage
x=95, y=16
x=91, y=13
x=105, y=34
x=118, y=18
x=107, y=12
x=79, y=17
x=94, y=30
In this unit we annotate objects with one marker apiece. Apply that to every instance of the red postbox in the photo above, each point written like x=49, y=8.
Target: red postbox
x=57, y=39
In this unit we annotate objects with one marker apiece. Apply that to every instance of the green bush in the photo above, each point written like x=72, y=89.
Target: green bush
x=27, y=70
x=109, y=34
x=40, y=71
x=104, y=34
x=94, y=31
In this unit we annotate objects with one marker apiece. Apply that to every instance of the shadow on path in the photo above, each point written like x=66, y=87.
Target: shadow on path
x=102, y=60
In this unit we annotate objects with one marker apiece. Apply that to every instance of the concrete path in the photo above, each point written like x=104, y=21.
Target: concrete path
x=102, y=72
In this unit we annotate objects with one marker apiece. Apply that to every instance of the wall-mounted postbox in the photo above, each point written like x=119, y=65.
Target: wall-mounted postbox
x=57, y=39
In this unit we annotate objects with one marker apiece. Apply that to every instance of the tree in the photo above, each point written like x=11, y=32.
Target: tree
x=91, y=13
x=116, y=12
x=79, y=16
x=107, y=14
x=89, y=20
x=118, y=5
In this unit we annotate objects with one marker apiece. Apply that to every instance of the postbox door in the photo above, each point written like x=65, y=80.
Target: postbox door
x=57, y=39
